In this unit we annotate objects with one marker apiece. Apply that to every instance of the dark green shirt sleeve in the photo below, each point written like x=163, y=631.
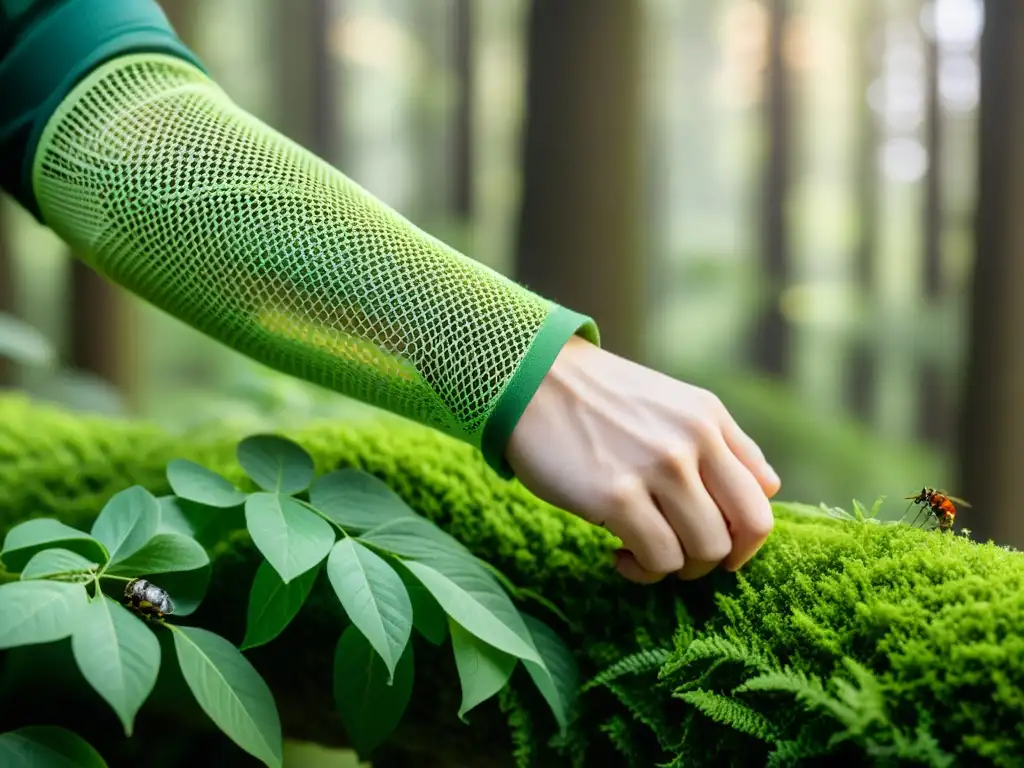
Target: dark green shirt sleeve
x=46, y=47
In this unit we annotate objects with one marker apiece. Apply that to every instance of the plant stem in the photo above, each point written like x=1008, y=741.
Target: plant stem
x=316, y=511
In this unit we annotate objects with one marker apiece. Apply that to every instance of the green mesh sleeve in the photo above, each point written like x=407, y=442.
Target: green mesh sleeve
x=165, y=186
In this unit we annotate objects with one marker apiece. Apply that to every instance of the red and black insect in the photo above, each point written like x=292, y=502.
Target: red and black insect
x=939, y=504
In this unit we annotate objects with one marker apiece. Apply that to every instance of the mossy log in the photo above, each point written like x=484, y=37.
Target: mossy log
x=877, y=643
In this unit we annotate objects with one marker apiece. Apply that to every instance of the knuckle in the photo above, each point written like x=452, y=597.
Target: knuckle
x=703, y=431
x=619, y=493
x=677, y=463
x=713, y=403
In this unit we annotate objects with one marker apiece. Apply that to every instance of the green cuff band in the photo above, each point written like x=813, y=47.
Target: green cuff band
x=53, y=56
x=560, y=326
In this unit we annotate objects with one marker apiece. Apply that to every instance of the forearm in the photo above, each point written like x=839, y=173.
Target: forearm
x=166, y=187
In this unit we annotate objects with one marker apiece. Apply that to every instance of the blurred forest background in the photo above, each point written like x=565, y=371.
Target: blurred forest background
x=773, y=198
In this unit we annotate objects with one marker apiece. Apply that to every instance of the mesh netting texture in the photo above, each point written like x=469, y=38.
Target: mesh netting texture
x=165, y=186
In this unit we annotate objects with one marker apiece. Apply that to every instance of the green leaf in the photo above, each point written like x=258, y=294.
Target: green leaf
x=273, y=604
x=195, y=482
x=291, y=537
x=373, y=596
x=483, y=669
x=206, y=525
x=127, y=522
x=416, y=538
x=230, y=691
x=38, y=611
x=428, y=617
x=370, y=708
x=186, y=588
x=26, y=539
x=275, y=464
x=357, y=501
x=62, y=564
x=474, y=599
x=164, y=553
x=118, y=655
x=46, y=746
x=557, y=678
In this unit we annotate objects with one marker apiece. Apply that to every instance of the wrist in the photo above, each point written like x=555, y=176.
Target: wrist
x=560, y=328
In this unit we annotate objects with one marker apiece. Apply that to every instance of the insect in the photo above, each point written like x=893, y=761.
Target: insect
x=147, y=599
x=939, y=504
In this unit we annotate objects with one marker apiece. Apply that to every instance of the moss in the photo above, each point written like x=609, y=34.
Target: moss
x=840, y=640
x=928, y=629
x=56, y=464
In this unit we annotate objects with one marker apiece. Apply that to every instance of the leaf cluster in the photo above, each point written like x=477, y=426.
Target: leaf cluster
x=392, y=571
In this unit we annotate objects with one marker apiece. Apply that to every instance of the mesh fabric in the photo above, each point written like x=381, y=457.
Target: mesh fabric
x=162, y=184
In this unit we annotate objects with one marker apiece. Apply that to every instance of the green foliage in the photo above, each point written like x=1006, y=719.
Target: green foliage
x=273, y=604
x=43, y=745
x=370, y=700
x=374, y=577
x=845, y=640
x=61, y=595
x=230, y=691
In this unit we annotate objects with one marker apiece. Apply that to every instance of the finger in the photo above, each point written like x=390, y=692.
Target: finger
x=638, y=523
x=695, y=518
x=629, y=568
x=752, y=457
x=742, y=501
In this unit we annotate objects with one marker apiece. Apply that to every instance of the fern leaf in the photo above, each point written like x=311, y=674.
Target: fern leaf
x=791, y=752
x=644, y=708
x=617, y=731
x=787, y=680
x=720, y=648
x=520, y=726
x=634, y=664
x=730, y=712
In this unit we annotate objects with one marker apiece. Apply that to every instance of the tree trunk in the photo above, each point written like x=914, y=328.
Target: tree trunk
x=102, y=333
x=462, y=135
x=307, y=76
x=771, y=339
x=6, y=289
x=992, y=430
x=934, y=407
x=182, y=15
x=863, y=363
x=580, y=230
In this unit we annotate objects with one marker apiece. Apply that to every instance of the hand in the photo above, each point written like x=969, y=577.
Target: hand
x=659, y=463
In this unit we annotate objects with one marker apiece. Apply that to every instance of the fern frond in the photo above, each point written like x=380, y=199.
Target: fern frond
x=722, y=648
x=922, y=748
x=617, y=731
x=806, y=688
x=730, y=712
x=644, y=708
x=520, y=726
x=635, y=664
x=791, y=752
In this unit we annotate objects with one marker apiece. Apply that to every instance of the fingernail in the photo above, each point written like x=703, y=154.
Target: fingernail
x=773, y=476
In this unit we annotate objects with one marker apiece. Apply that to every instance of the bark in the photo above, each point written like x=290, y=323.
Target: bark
x=770, y=344
x=992, y=428
x=580, y=223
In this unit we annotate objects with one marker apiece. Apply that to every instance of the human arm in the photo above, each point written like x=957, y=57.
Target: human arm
x=122, y=144
x=132, y=154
